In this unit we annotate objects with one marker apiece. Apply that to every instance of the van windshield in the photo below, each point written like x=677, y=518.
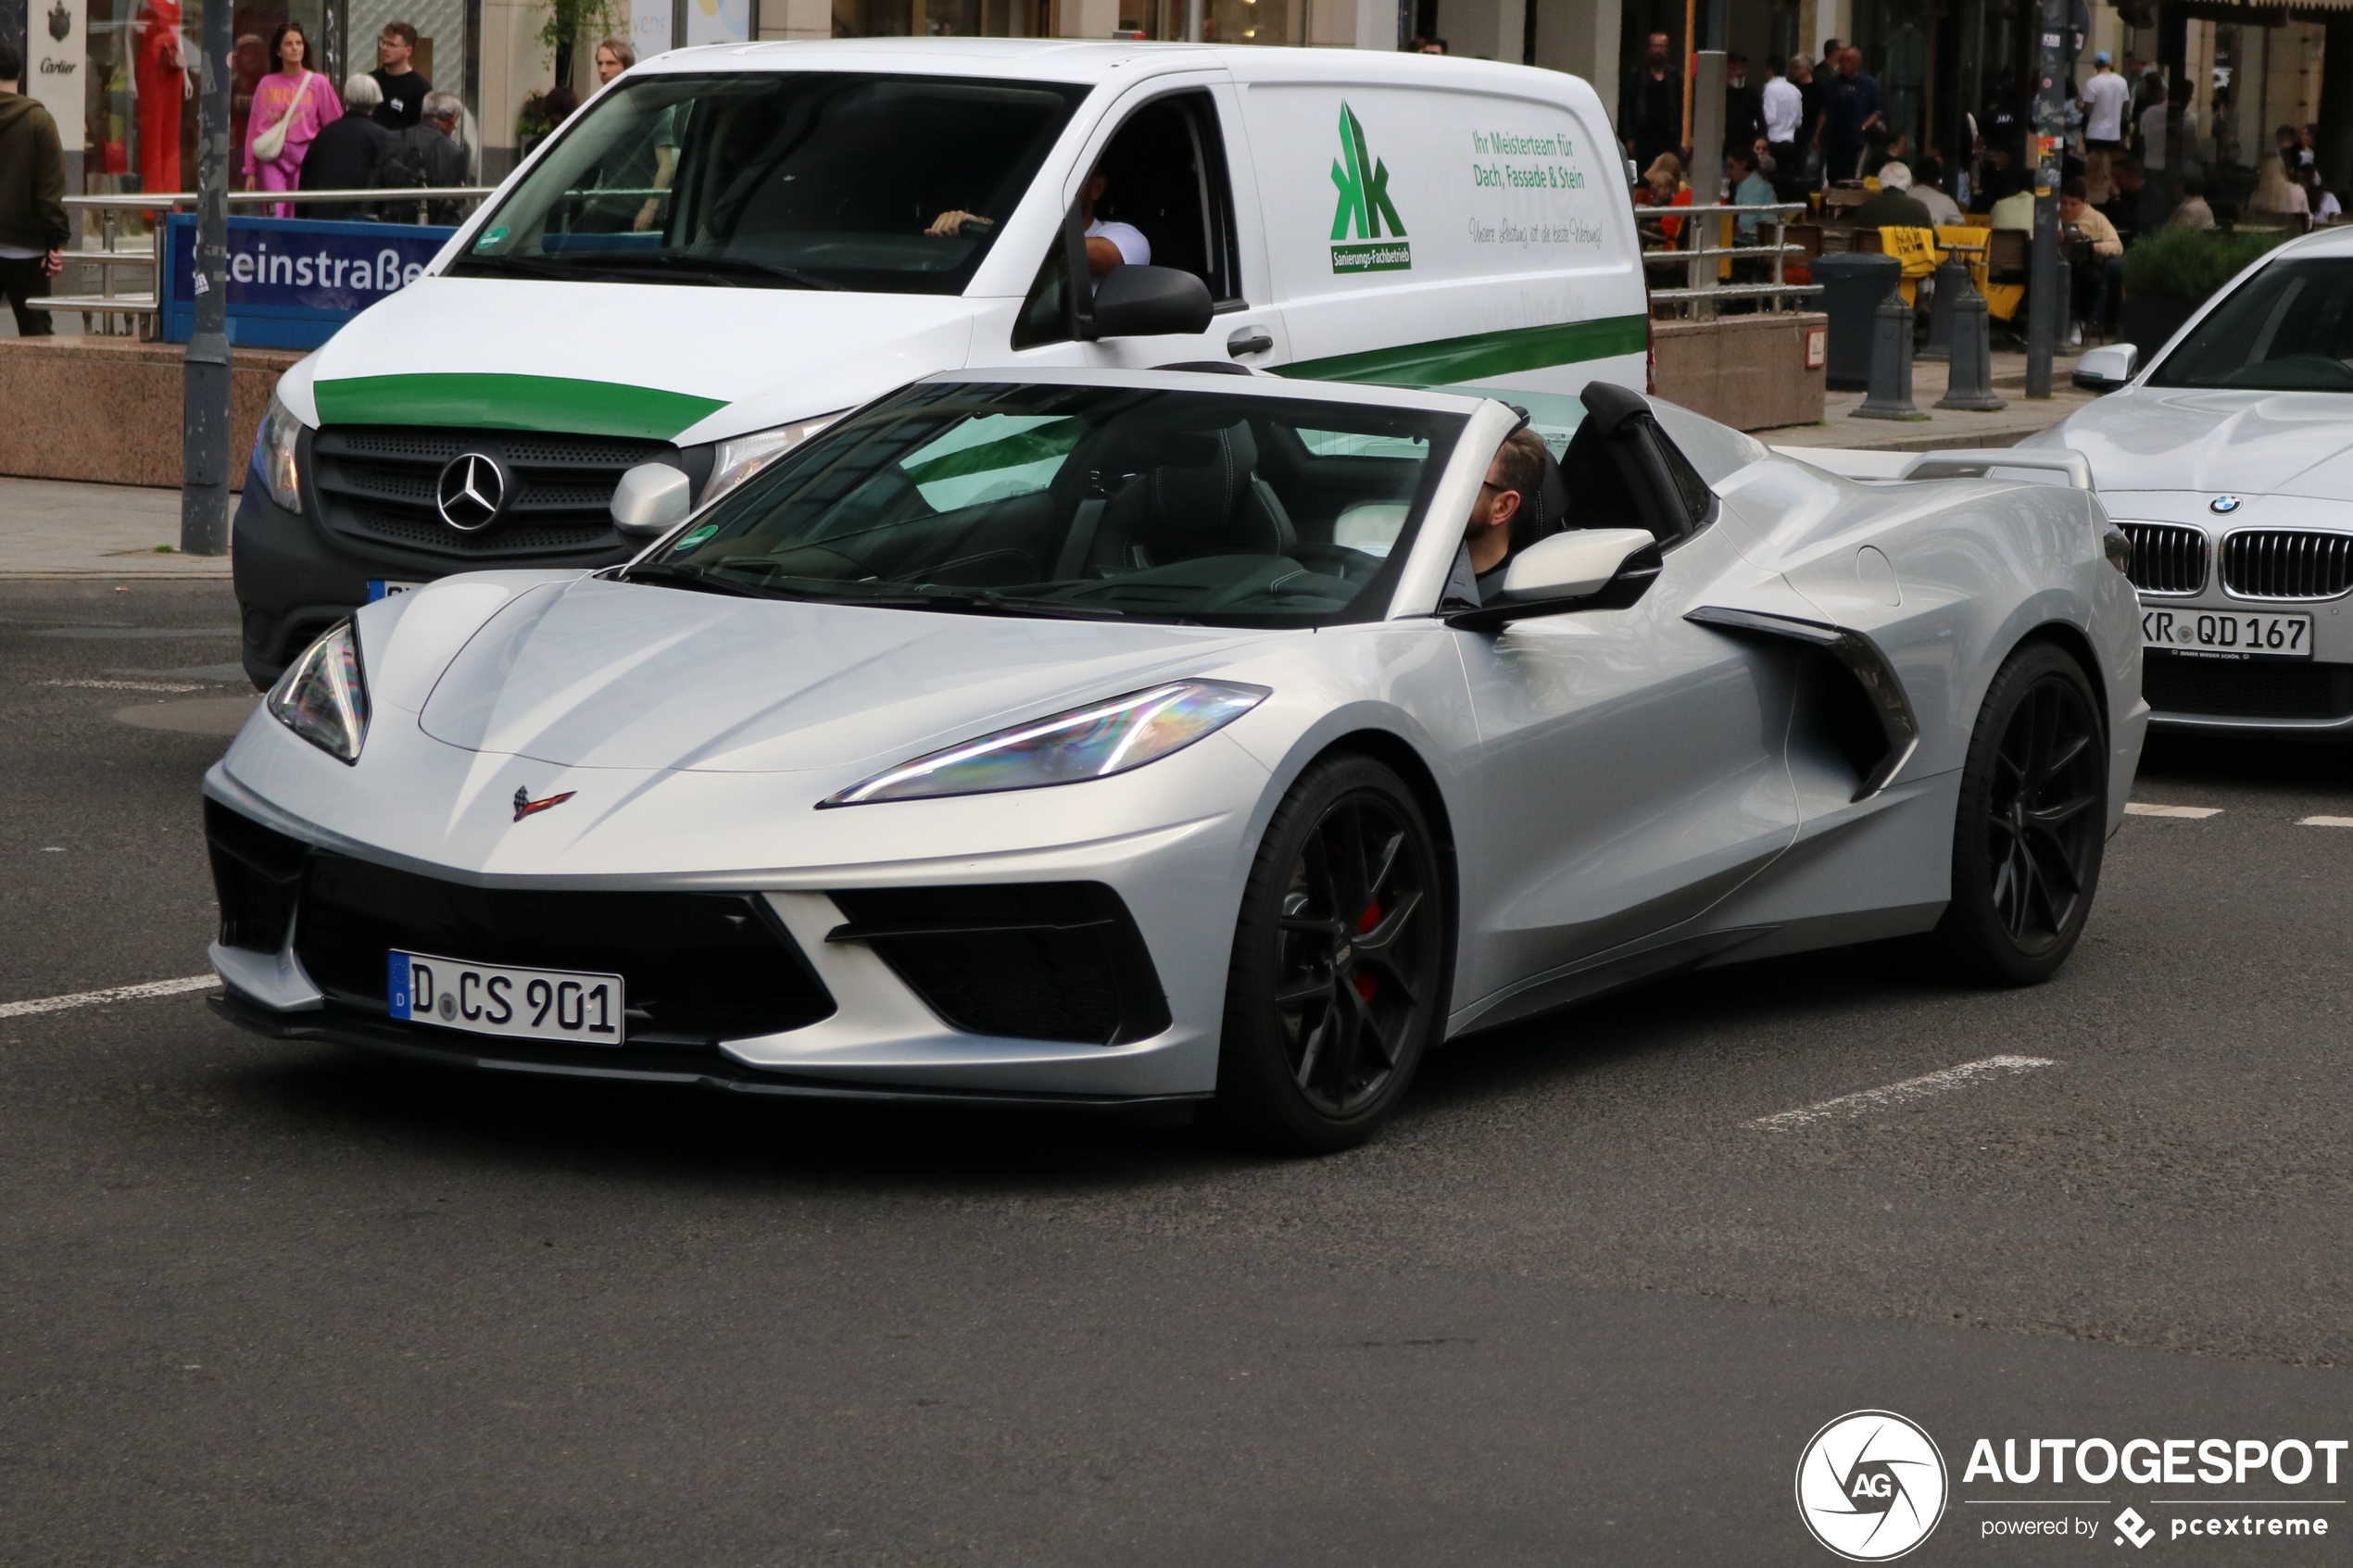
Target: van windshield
x=809, y=179
x=1084, y=502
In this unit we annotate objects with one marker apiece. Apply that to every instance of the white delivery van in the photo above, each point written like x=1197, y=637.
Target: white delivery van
x=733, y=244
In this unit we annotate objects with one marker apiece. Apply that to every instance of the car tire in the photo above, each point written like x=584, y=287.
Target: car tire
x=1341, y=955
x=2032, y=826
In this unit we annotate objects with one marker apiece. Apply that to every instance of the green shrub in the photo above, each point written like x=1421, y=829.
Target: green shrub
x=2189, y=264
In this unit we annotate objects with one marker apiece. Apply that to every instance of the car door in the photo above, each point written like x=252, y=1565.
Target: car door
x=1633, y=773
x=1174, y=161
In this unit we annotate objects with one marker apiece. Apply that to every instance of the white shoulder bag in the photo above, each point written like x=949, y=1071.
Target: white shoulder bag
x=270, y=145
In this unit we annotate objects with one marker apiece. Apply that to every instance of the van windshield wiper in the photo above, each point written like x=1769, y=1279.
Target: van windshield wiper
x=726, y=267
x=524, y=266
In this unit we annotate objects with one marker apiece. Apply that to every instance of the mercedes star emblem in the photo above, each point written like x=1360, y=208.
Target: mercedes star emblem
x=471, y=492
x=2224, y=503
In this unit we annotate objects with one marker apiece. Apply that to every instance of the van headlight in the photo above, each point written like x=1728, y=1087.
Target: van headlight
x=277, y=455
x=323, y=696
x=740, y=456
x=1093, y=741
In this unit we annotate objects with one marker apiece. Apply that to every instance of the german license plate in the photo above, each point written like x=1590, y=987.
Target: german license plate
x=385, y=588
x=2228, y=633
x=521, y=1004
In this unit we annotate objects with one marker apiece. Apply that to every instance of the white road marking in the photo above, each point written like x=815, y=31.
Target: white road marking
x=2136, y=808
x=1897, y=1094
x=113, y=994
x=2324, y=822
x=129, y=685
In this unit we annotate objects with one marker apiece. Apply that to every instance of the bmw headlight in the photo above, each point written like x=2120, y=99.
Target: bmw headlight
x=1094, y=742
x=277, y=455
x=741, y=456
x=323, y=698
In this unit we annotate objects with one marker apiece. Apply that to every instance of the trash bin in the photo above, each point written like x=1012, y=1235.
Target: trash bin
x=1853, y=285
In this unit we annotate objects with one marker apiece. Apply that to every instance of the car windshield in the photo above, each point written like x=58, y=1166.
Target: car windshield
x=1083, y=501
x=810, y=179
x=2289, y=327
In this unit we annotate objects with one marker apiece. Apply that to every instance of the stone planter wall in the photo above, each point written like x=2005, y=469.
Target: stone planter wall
x=108, y=410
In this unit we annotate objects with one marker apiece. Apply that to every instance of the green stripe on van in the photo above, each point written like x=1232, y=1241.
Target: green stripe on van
x=503, y=402
x=1484, y=355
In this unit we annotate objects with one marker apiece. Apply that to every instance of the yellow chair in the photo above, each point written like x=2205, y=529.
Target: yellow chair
x=1916, y=248
x=2001, y=300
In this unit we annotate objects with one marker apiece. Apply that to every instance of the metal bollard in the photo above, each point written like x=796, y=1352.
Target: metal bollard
x=1891, y=396
x=1952, y=279
x=1969, y=382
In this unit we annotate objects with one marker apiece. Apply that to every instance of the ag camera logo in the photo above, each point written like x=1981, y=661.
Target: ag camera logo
x=1872, y=1485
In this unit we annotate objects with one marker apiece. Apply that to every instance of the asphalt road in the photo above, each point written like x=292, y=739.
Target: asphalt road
x=263, y=1303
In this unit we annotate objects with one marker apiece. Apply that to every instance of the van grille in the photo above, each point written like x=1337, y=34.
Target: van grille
x=376, y=483
x=2283, y=565
x=2166, y=558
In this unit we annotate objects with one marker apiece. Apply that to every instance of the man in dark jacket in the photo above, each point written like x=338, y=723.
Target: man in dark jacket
x=1744, y=104
x=348, y=151
x=33, y=199
x=1893, y=206
x=1652, y=109
x=425, y=155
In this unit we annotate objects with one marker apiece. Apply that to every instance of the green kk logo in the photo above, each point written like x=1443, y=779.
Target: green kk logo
x=1364, y=186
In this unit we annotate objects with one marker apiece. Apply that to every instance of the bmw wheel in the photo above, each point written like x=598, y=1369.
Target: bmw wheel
x=2031, y=827
x=1340, y=956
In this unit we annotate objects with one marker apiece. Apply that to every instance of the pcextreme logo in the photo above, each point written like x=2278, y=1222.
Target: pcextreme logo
x=1870, y=1485
x=1364, y=207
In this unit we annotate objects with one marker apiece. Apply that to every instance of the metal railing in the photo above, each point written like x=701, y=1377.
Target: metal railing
x=121, y=313
x=1704, y=288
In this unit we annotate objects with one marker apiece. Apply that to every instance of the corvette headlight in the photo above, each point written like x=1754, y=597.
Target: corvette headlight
x=740, y=456
x=323, y=698
x=277, y=455
x=1094, y=742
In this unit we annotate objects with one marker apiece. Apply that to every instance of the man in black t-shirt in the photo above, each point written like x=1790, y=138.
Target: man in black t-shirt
x=404, y=89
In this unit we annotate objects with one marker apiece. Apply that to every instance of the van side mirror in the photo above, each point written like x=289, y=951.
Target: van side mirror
x=2107, y=367
x=651, y=499
x=1566, y=571
x=1151, y=302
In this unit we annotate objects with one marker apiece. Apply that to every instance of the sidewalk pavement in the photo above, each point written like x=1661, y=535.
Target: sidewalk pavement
x=1944, y=428
x=51, y=529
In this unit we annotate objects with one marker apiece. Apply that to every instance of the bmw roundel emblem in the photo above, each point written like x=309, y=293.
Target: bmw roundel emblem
x=2224, y=505
x=472, y=492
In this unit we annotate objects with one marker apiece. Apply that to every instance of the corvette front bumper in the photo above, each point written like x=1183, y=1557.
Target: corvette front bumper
x=1167, y=892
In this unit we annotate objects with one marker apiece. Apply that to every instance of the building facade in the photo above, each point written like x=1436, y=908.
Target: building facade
x=119, y=67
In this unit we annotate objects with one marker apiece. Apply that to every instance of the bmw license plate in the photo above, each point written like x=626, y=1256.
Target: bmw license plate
x=385, y=588
x=521, y=1004
x=2226, y=633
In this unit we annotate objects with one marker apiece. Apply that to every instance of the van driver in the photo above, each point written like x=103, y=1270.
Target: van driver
x=1486, y=554
x=1108, y=245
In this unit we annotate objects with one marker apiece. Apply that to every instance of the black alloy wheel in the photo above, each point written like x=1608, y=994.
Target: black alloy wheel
x=1340, y=959
x=2033, y=822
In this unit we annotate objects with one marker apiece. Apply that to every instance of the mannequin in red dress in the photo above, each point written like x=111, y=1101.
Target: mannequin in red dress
x=162, y=78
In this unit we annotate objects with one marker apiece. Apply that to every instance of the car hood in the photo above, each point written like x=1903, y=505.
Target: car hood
x=593, y=673
x=663, y=361
x=2256, y=443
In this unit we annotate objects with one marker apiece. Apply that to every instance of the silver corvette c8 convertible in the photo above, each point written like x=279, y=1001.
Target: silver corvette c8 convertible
x=1116, y=736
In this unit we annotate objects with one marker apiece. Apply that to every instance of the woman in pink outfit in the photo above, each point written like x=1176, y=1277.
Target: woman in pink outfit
x=300, y=96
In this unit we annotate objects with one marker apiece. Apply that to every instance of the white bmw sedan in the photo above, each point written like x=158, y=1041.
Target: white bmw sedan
x=2224, y=456
x=1105, y=737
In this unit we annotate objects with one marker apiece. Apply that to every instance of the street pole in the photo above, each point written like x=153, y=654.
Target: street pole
x=2044, y=310
x=204, y=425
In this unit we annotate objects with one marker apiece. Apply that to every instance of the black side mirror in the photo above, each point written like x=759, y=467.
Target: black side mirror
x=1151, y=302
